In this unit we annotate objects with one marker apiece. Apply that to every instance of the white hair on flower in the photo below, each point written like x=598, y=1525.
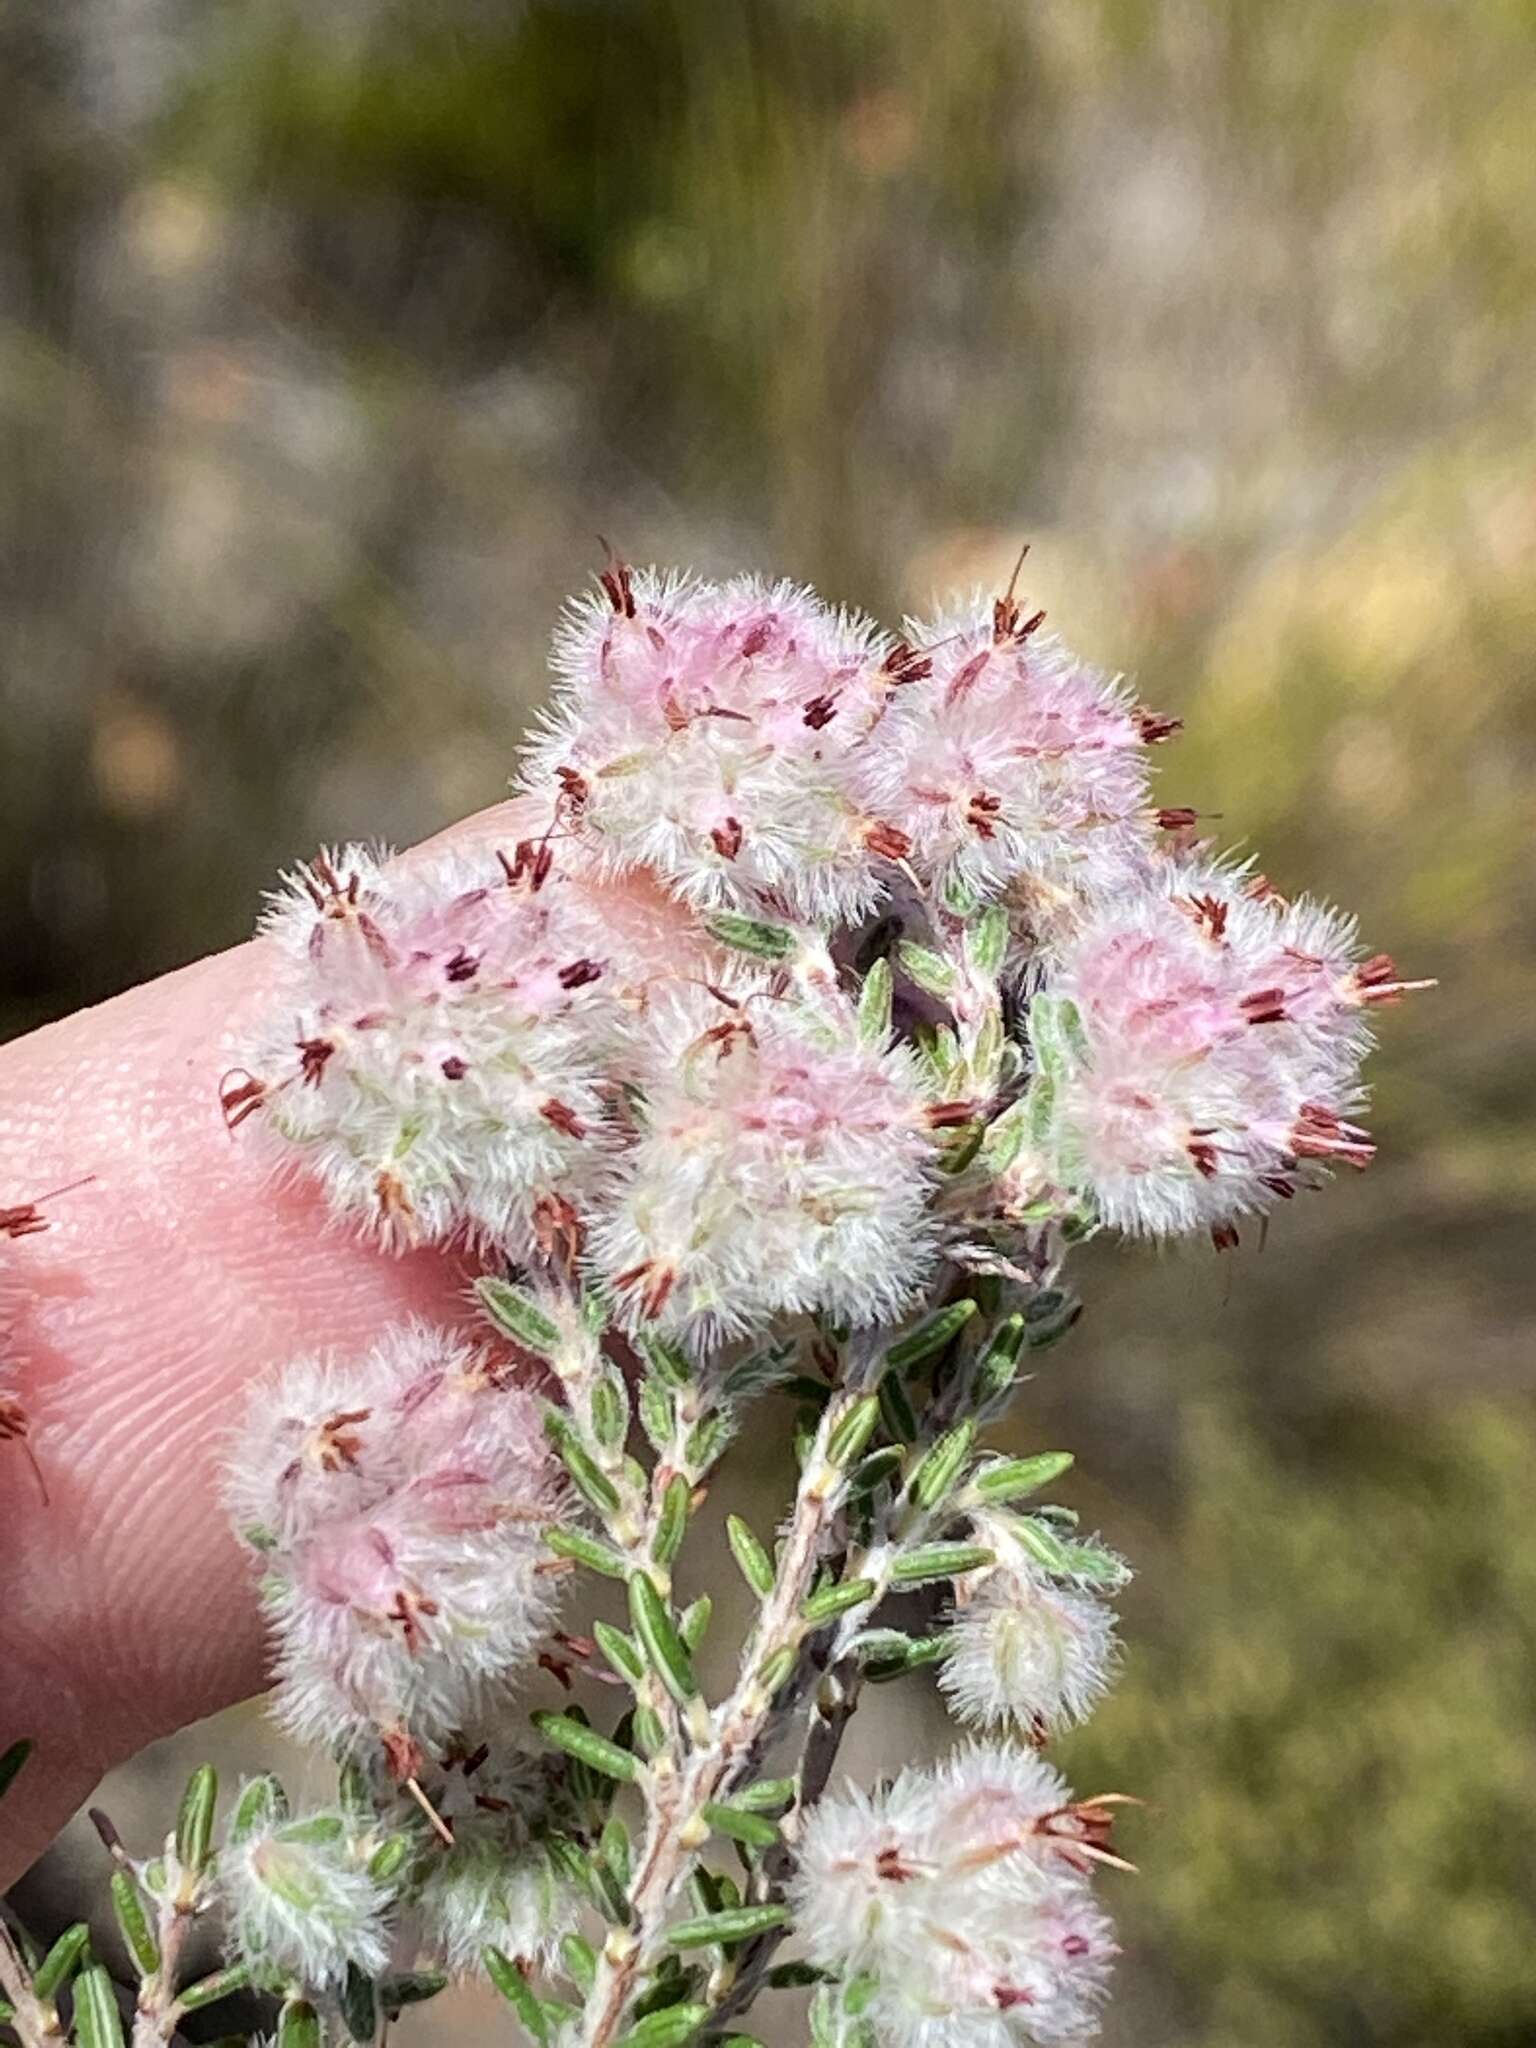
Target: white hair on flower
x=301, y=1903
x=703, y=731
x=398, y=1505
x=962, y=1889
x=783, y=1166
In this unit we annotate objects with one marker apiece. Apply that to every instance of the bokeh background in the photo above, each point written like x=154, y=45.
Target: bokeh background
x=331, y=337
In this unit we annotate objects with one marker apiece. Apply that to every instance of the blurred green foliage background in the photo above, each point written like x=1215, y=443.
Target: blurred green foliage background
x=331, y=337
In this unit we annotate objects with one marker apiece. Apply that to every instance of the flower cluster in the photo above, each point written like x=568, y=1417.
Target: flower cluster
x=1200, y=1047
x=828, y=987
x=398, y=1503
x=964, y=1892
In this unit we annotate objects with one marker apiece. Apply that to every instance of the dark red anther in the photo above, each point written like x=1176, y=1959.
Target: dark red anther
x=727, y=838
x=1224, y=1236
x=890, y=1865
x=574, y=789
x=944, y=1116
x=454, y=1068
x=1204, y=1155
x=558, y=1230
x=618, y=584
x=820, y=711
x=464, y=965
x=1279, y=1185
x=313, y=1055
x=889, y=842
x=966, y=677
x=673, y=712
x=982, y=814
x=656, y=1291
x=403, y=1754
x=339, y=1444
x=578, y=973
x=240, y=1101
x=1260, y=889
x=759, y=637
x=1076, y=1945
x=563, y=1117
x=1006, y=1996
x=1265, y=1006
x=1151, y=727
x=906, y=663
x=1210, y=913
x=532, y=861
x=1177, y=817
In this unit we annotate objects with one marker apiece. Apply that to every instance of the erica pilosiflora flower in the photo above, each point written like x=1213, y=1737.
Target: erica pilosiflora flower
x=1200, y=1051
x=398, y=1504
x=1027, y=1647
x=702, y=732
x=432, y=1044
x=1010, y=761
x=964, y=1891
x=301, y=1901
x=783, y=1165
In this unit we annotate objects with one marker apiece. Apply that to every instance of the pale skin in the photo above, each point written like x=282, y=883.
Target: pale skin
x=136, y=1321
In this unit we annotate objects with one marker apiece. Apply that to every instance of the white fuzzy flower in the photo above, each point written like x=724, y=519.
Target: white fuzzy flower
x=497, y=1886
x=301, y=1904
x=962, y=1889
x=1005, y=759
x=783, y=1165
x=704, y=731
x=1025, y=1648
x=1200, y=1048
x=398, y=1505
x=433, y=1040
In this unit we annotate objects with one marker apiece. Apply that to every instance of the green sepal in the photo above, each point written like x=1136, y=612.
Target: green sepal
x=262, y=1802
x=874, y=1021
x=298, y=2025
x=390, y=1858
x=1043, y=1544
x=934, y=975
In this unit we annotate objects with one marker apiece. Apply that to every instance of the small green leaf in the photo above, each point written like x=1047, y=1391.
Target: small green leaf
x=133, y=1923
x=764, y=1794
x=580, y=1959
x=658, y=1411
x=1013, y=1478
x=775, y=1668
x=934, y=975
x=672, y=1522
x=751, y=935
x=516, y=1990
x=587, y=1746
x=587, y=1550
x=755, y=1565
x=663, y=1646
x=411, y=1987
x=736, y=1923
x=298, y=2025
x=98, y=2023
x=590, y=1479
x=931, y=1336
x=999, y=1361
x=938, y=1561
x=261, y=1803
x=875, y=1004
x=208, y=1990
x=741, y=1825
x=68, y=1954
x=359, y=2004
x=794, y=1976
x=614, y=1848
x=936, y=1475
x=853, y=1430
x=831, y=1601
x=390, y=1858
x=986, y=942
x=669, y=2028
x=621, y=1651
x=693, y=1622
x=194, y=1823
x=522, y=1319
x=896, y=1409
x=1043, y=1545
x=608, y=1408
